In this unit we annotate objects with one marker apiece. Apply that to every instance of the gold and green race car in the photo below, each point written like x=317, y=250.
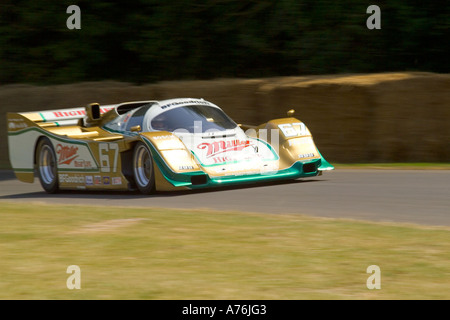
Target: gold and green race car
x=150, y=146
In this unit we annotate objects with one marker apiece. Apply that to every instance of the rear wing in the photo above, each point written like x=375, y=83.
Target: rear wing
x=71, y=117
x=61, y=117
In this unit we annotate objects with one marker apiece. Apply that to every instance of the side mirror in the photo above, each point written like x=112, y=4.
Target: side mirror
x=135, y=128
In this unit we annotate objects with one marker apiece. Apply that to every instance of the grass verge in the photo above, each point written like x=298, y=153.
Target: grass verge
x=145, y=253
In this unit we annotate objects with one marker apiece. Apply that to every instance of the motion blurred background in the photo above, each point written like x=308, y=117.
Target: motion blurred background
x=366, y=95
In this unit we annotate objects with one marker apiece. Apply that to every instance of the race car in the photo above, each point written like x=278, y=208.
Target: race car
x=175, y=144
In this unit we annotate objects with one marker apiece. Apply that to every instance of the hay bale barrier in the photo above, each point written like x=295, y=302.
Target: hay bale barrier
x=387, y=117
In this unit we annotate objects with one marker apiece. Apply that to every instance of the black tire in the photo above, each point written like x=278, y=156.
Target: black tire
x=46, y=165
x=143, y=172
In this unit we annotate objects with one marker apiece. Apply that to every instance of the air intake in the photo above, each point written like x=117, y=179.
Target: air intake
x=199, y=179
x=309, y=168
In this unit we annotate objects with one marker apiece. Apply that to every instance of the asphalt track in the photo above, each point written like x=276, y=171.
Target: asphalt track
x=407, y=196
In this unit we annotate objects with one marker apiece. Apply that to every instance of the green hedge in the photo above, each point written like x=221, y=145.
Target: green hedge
x=147, y=40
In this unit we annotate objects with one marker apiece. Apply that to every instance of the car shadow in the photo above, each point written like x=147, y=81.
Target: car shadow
x=115, y=195
x=238, y=187
x=7, y=175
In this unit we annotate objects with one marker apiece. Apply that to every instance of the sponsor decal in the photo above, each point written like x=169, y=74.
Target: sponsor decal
x=78, y=163
x=306, y=155
x=219, y=147
x=187, y=102
x=116, y=181
x=97, y=180
x=89, y=180
x=66, y=154
x=87, y=165
x=82, y=164
x=128, y=116
x=185, y=167
x=73, y=113
x=250, y=167
x=223, y=159
x=15, y=124
x=69, y=178
x=106, y=180
x=296, y=142
x=67, y=114
x=163, y=137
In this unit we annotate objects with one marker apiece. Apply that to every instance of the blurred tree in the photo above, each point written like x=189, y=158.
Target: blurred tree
x=151, y=40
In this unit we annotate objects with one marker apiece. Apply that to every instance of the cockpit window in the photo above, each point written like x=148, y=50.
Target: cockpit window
x=137, y=118
x=126, y=121
x=193, y=118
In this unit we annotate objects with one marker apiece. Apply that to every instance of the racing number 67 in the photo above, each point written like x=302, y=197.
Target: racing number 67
x=293, y=129
x=108, y=152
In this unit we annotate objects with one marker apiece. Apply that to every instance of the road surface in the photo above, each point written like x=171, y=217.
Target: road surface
x=408, y=196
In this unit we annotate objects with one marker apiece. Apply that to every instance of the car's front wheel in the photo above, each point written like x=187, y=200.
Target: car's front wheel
x=143, y=169
x=47, y=166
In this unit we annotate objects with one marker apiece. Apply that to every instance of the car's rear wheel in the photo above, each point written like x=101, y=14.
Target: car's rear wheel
x=143, y=169
x=47, y=166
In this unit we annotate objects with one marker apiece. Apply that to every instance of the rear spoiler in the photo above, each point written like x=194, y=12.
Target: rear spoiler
x=61, y=117
x=72, y=116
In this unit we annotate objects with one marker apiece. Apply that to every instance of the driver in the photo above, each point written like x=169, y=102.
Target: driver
x=160, y=123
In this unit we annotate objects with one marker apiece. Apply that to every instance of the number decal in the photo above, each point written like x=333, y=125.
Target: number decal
x=293, y=129
x=300, y=128
x=115, y=147
x=104, y=157
x=288, y=130
x=108, y=152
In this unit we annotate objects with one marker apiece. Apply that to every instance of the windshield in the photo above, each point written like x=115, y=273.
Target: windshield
x=193, y=118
